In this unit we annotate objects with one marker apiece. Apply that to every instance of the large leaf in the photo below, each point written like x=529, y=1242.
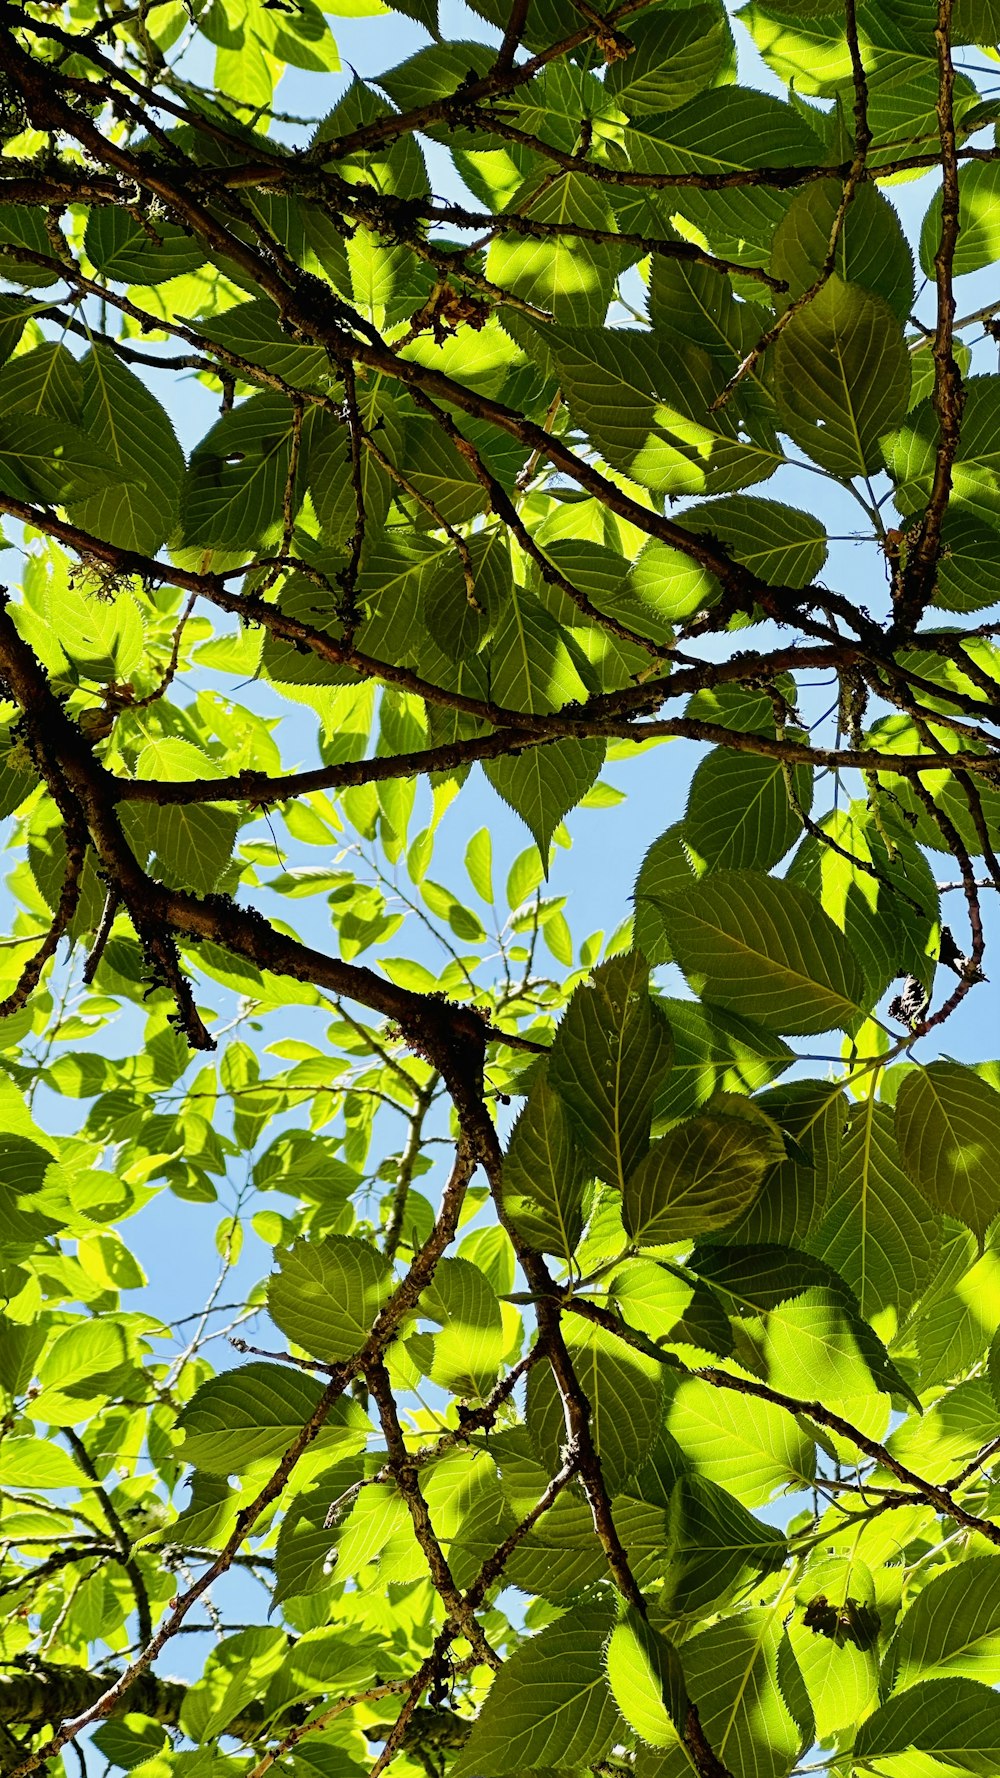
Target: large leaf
x=550, y=1706
x=326, y=1294
x=543, y=1176
x=764, y=949
x=871, y=248
x=732, y=1673
x=978, y=242
x=191, y=843
x=715, y=1547
x=469, y=1349
x=129, y=424
x=793, y=1196
x=876, y=1233
x=952, y=1627
x=740, y=814
x=126, y=250
x=238, y=474
x=676, y=55
x=842, y=377
x=646, y=404
x=624, y=1388
x=956, y=1720
x=698, y=1177
x=252, y=1414
x=606, y=1062
x=559, y=271
x=647, y=1680
x=749, y=1447
x=543, y=784
x=948, y=1130
x=884, y=901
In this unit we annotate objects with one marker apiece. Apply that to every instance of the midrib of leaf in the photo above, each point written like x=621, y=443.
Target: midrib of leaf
x=849, y=408
x=106, y=403
x=865, y=1172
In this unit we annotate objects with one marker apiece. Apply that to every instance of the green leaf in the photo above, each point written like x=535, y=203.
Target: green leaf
x=698, y=1177
x=237, y=476
x=948, y=1131
x=326, y=1294
x=964, y=582
x=609, y=1053
x=739, y=812
x=191, y=843
x=842, y=377
x=956, y=1720
x=676, y=55
x=779, y=543
x=733, y=1676
x=646, y=1680
x=876, y=1233
x=435, y=72
x=839, y=1673
x=470, y=1347
x=886, y=904
x=978, y=243
x=46, y=381
x=124, y=251
x=37, y=1463
x=716, y=1546
x=543, y=1177
x=23, y=1165
x=625, y=1391
x=252, y=1414
x=794, y=1194
x=714, y=1051
x=571, y=277
x=872, y=250
x=646, y=404
x=666, y=866
x=128, y=424
x=253, y=331
x=25, y=228
x=764, y=949
x=549, y=1706
x=952, y=1627
x=543, y=784
x=102, y=635
x=531, y=665
x=52, y=459
x=305, y=1542
x=749, y=1447
x=479, y=864
x=719, y=133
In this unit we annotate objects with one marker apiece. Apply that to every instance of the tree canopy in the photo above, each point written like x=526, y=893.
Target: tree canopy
x=620, y=1394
